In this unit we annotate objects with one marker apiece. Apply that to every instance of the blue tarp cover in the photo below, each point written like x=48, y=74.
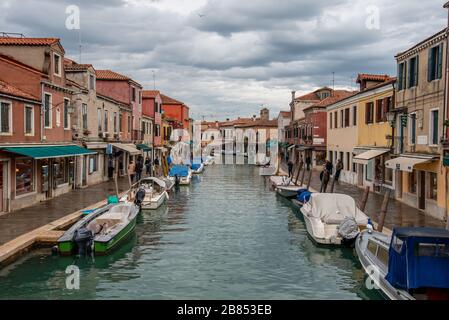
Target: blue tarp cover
x=304, y=196
x=180, y=171
x=196, y=166
x=301, y=191
x=419, y=258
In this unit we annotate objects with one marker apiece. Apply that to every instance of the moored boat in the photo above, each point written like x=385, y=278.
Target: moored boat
x=289, y=191
x=412, y=264
x=333, y=219
x=197, y=168
x=155, y=193
x=180, y=174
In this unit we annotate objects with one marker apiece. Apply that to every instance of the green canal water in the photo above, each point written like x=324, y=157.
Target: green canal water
x=227, y=236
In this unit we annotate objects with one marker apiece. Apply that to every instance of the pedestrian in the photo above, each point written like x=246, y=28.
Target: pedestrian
x=131, y=170
x=338, y=169
x=148, y=165
x=308, y=162
x=139, y=169
x=325, y=180
x=110, y=167
x=329, y=167
x=156, y=166
x=290, y=169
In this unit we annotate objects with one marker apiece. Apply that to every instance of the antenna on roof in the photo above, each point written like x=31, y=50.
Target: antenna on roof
x=11, y=35
x=154, y=79
x=333, y=83
x=80, y=44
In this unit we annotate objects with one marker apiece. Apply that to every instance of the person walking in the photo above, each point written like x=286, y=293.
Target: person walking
x=308, y=162
x=338, y=169
x=139, y=169
x=148, y=165
x=290, y=169
x=131, y=170
x=329, y=167
x=110, y=167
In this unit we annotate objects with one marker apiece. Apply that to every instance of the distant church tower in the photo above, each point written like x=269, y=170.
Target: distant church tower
x=265, y=114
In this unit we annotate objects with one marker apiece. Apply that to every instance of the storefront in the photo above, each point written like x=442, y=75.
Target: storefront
x=38, y=173
x=371, y=169
x=97, y=164
x=122, y=154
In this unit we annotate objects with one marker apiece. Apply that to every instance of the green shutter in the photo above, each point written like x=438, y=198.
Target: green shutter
x=430, y=64
x=416, y=70
x=400, y=68
x=440, y=61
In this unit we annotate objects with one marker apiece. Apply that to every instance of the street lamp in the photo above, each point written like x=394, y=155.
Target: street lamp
x=391, y=118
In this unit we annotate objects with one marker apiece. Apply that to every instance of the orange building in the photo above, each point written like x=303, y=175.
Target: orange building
x=176, y=110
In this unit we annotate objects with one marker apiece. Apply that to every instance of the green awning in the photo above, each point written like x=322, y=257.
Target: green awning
x=446, y=161
x=49, y=151
x=143, y=147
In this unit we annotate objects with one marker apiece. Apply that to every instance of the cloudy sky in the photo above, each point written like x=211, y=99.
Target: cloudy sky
x=226, y=58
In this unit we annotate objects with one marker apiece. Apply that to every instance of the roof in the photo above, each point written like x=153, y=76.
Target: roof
x=150, y=94
x=7, y=41
x=337, y=96
x=168, y=100
x=312, y=96
x=259, y=123
x=6, y=88
x=111, y=75
x=439, y=33
x=285, y=113
x=239, y=121
x=70, y=65
x=372, y=77
x=421, y=233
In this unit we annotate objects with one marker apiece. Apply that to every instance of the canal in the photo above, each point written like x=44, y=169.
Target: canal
x=227, y=236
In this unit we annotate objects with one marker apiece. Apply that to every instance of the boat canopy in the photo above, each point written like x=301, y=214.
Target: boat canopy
x=333, y=208
x=180, y=171
x=419, y=258
x=155, y=180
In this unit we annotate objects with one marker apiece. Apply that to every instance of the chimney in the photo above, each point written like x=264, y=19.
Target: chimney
x=293, y=96
x=265, y=114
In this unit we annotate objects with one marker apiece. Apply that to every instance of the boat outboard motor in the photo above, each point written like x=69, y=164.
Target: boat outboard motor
x=140, y=196
x=348, y=230
x=83, y=239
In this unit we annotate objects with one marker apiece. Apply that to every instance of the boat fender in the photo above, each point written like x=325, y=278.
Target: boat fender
x=166, y=195
x=54, y=250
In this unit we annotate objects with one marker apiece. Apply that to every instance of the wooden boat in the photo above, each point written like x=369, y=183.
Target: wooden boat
x=333, y=219
x=180, y=174
x=155, y=193
x=412, y=264
x=101, y=232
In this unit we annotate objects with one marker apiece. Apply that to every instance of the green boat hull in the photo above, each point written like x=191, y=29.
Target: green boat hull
x=102, y=248
x=66, y=248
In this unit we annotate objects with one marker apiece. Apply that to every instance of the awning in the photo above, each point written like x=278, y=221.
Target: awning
x=406, y=163
x=96, y=145
x=130, y=148
x=291, y=147
x=49, y=151
x=446, y=161
x=365, y=157
x=143, y=147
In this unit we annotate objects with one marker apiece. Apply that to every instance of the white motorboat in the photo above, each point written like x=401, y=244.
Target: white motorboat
x=155, y=193
x=181, y=175
x=333, y=219
x=197, y=168
x=276, y=181
x=289, y=191
x=209, y=161
x=412, y=264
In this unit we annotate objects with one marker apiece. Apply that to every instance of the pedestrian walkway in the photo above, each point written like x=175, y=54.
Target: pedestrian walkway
x=17, y=223
x=398, y=214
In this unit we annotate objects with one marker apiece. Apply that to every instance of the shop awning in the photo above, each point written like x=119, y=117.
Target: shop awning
x=143, y=147
x=291, y=147
x=365, y=157
x=49, y=151
x=130, y=148
x=407, y=163
x=96, y=145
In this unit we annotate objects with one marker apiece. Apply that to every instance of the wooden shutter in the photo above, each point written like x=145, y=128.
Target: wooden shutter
x=430, y=66
x=416, y=70
x=440, y=61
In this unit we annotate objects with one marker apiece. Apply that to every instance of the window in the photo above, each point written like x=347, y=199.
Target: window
x=401, y=75
x=91, y=82
x=412, y=182
x=435, y=65
x=433, y=135
x=413, y=72
x=93, y=163
x=29, y=120
x=347, y=117
x=66, y=113
x=115, y=122
x=133, y=94
x=336, y=119
x=348, y=161
x=99, y=120
x=57, y=64
x=354, y=115
x=412, y=129
x=397, y=244
x=5, y=117
x=24, y=176
x=47, y=110
x=140, y=96
x=120, y=125
x=157, y=130
x=369, y=171
x=369, y=112
x=106, y=120
x=372, y=247
x=379, y=111
x=129, y=124
x=330, y=120
x=84, y=115
x=432, y=186
x=382, y=255
x=61, y=170
x=342, y=119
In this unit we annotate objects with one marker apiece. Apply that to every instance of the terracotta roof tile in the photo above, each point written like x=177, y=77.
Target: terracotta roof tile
x=9, y=89
x=372, y=77
x=110, y=75
x=259, y=123
x=168, y=100
x=150, y=94
x=27, y=41
x=337, y=96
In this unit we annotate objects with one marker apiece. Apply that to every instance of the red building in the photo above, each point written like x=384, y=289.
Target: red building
x=176, y=110
x=152, y=107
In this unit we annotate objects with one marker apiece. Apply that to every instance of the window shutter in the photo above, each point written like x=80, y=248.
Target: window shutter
x=416, y=70
x=366, y=113
x=430, y=66
x=409, y=75
x=440, y=61
x=400, y=76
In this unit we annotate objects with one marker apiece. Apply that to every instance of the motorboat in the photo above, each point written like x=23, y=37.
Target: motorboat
x=197, y=168
x=276, y=181
x=169, y=184
x=411, y=264
x=155, y=193
x=100, y=231
x=209, y=160
x=181, y=175
x=302, y=197
x=333, y=219
x=289, y=191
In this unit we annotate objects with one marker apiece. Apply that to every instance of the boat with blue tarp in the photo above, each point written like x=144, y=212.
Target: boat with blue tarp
x=180, y=174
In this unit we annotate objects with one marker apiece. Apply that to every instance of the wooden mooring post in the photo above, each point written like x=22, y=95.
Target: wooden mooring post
x=310, y=179
x=383, y=212
x=302, y=176
x=362, y=204
x=301, y=165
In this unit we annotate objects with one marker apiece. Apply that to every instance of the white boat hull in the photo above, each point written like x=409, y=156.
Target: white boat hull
x=154, y=202
x=289, y=191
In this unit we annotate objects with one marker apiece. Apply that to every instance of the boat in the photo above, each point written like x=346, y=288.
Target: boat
x=155, y=193
x=411, y=264
x=209, y=161
x=333, y=219
x=101, y=231
x=197, y=168
x=301, y=198
x=169, y=184
x=180, y=174
x=289, y=191
x=276, y=181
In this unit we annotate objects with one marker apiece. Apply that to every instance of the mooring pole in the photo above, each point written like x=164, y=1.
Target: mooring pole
x=116, y=184
x=383, y=212
x=362, y=204
x=310, y=179
x=301, y=164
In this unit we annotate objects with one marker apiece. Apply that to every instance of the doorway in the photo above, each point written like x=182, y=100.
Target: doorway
x=3, y=186
x=422, y=190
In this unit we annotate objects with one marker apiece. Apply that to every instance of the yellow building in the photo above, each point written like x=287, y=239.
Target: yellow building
x=374, y=134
